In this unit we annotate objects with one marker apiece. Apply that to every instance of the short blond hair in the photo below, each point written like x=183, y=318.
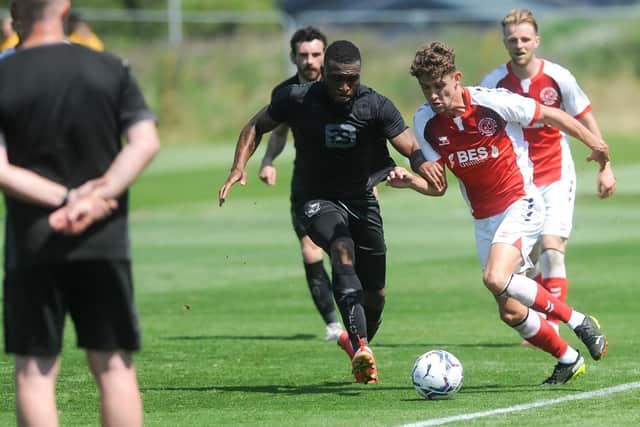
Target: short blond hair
x=519, y=16
x=434, y=60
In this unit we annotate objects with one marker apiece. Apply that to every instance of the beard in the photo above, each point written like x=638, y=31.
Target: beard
x=311, y=73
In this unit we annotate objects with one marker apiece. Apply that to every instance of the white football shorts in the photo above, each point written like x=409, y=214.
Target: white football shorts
x=519, y=225
x=559, y=199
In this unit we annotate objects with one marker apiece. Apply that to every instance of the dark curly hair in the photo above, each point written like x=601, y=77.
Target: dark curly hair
x=433, y=60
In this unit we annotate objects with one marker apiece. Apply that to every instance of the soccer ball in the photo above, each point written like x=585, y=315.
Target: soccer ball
x=437, y=374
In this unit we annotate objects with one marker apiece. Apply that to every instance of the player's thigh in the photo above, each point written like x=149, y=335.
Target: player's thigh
x=325, y=222
x=34, y=310
x=101, y=304
x=520, y=227
x=370, y=247
x=559, y=199
x=365, y=223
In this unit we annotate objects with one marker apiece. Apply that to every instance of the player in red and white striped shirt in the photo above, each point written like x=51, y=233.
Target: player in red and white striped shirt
x=548, y=147
x=475, y=132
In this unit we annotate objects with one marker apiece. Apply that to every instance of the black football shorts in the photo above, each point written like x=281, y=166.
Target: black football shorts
x=98, y=295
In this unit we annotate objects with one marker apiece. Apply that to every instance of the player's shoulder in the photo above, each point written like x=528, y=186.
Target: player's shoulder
x=495, y=76
x=369, y=102
x=369, y=94
x=484, y=94
x=297, y=91
x=499, y=100
x=557, y=71
x=293, y=80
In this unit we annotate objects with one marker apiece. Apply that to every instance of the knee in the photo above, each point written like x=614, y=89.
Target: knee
x=310, y=251
x=375, y=297
x=342, y=251
x=495, y=280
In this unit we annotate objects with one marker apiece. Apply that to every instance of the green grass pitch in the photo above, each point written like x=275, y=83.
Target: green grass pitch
x=231, y=337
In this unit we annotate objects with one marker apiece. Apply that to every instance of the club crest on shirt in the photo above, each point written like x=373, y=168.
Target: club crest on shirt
x=340, y=135
x=311, y=209
x=487, y=126
x=443, y=140
x=548, y=96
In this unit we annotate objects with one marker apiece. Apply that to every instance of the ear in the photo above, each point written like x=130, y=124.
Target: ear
x=66, y=8
x=14, y=11
x=457, y=76
x=292, y=57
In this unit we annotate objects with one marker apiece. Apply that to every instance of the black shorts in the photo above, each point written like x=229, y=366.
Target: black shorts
x=298, y=226
x=358, y=219
x=98, y=294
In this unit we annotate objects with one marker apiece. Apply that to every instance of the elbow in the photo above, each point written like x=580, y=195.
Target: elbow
x=153, y=147
x=150, y=146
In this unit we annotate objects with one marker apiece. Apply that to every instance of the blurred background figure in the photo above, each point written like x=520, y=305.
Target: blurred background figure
x=79, y=31
x=10, y=37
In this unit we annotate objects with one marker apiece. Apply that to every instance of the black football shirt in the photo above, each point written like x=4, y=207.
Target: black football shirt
x=63, y=111
x=338, y=146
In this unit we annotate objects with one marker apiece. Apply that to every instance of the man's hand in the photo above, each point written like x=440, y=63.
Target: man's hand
x=77, y=216
x=606, y=182
x=236, y=175
x=268, y=174
x=399, y=177
x=433, y=172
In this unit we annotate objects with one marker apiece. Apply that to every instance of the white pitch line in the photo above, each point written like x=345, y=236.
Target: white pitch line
x=526, y=406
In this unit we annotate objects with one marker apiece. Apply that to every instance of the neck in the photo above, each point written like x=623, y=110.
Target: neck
x=46, y=31
x=458, y=106
x=527, y=70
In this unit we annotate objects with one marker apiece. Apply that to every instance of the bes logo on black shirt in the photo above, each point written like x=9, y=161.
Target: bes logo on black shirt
x=341, y=135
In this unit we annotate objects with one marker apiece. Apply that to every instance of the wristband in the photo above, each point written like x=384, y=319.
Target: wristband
x=65, y=199
x=416, y=159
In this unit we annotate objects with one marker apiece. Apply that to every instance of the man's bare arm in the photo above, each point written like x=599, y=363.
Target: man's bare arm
x=247, y=143
x=277, y=142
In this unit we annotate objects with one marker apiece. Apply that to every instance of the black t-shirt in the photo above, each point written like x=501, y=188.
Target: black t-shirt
x=293, y=80
x=63, y=110
x=338, y=146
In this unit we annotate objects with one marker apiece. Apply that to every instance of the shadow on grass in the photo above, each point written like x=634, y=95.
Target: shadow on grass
x=308, y=337
x=296, y=337
x=337, y=388
x=449, y=345
x=510, y=389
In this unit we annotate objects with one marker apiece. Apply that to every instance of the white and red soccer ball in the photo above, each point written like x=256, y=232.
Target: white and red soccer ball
x=437, y=374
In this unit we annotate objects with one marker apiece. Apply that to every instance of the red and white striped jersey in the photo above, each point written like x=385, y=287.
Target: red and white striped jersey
x=480, y=146
x=553, y=86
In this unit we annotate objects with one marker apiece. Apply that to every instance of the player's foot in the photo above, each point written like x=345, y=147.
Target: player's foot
x=345, y=343
x=334, y=330
x=364, y=365
x=590, y=334
x=564, y=372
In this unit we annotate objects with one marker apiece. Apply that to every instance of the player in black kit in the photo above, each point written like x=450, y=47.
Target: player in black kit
x=307, y=54
x=341, y=128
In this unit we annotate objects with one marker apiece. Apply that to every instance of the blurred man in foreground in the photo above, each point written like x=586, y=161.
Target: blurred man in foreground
x=65, y=176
